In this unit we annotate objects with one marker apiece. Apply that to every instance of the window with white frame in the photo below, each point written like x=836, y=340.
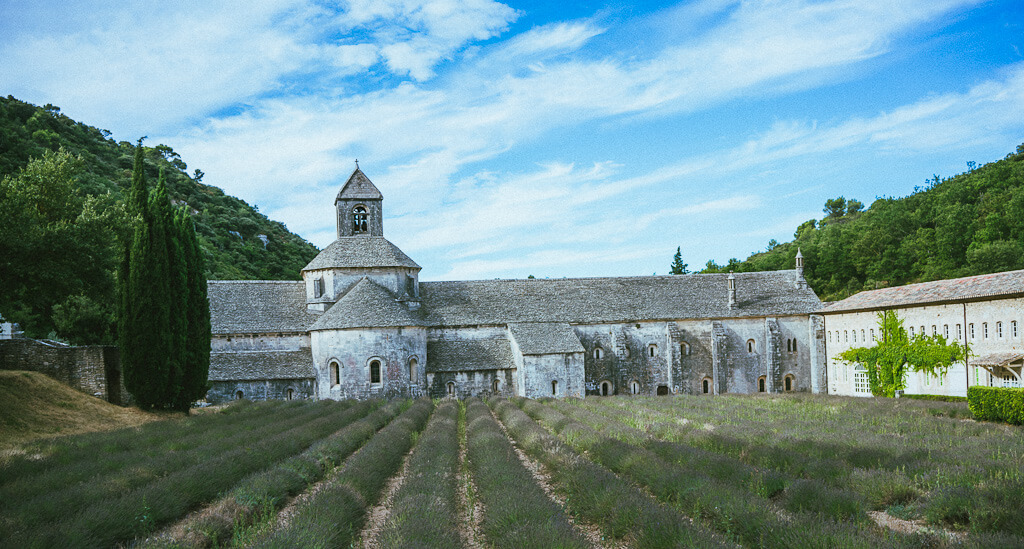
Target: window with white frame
x=935, y=330
x=855, y=336
x=999, y=329
x=861, y=384
x=970, y=330
x=872, y=334
x=984, y=330
x=959, y=332
x=862, y=338
x=1013, y=329
x=945, y=331
x=1010, y=381
x=911, y=331
x=846, y=336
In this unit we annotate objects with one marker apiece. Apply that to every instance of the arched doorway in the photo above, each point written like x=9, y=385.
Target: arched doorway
x=606, y=388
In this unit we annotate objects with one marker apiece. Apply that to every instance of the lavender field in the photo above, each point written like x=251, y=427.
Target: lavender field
x=725, y=471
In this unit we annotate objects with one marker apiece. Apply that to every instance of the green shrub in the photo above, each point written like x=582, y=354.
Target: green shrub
x=997, y=404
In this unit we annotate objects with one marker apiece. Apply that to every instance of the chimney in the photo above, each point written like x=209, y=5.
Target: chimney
x=800, y=281
x=732, y=290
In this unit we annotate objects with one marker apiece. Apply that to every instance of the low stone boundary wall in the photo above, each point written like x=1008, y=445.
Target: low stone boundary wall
x=92, y=369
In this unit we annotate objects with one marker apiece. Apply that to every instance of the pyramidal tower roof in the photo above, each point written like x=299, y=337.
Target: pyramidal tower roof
x=358, y=187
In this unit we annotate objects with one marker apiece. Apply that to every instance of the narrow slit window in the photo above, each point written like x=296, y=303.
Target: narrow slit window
x=375, y=371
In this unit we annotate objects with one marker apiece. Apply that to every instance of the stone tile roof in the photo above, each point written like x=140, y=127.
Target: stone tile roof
x=367, y=305
x=358, y=187
x=258, y=365
x=446, y=355
x=997, y=359
x=258, y=306
x=360, y=251
x=958, y=289
x=542, y=338
x=619, y=299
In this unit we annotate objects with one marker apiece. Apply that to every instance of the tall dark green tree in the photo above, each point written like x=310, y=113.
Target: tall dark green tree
x=678, y=267
x=165, y=321
x=196, y=357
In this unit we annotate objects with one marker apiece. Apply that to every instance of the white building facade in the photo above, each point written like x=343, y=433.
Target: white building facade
x=984, y=312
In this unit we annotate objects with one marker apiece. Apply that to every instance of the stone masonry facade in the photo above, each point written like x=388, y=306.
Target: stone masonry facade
x=360, y=324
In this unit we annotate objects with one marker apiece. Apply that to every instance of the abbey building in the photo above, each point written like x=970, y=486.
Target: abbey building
x=361, y=324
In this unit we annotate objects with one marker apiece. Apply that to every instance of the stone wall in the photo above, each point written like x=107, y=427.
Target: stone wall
x=479, y=383
x=354, y=350
x=270, y=389
x=94, y=369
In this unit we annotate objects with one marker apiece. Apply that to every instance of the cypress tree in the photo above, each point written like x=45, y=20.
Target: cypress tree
x=171, y=296
x=164, y=315
x=136, y=207
x=196, y=361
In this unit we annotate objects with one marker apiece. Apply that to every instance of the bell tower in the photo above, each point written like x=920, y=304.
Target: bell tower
x=360, y=212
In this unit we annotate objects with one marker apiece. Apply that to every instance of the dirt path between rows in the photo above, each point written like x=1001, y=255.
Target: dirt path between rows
x=591, y=532
x=377, y=517
x=470, y=513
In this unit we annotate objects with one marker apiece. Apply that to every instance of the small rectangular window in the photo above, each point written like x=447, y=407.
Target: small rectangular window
x=984, y=330
x=318, y=287
x=970, y=330
x=999, y=329
x=1013, y=329
x=945, y=331
x=959, y=332
x=846, y=336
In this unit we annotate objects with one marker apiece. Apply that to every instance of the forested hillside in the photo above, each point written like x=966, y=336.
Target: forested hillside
x=61, y=207
x=968, y=224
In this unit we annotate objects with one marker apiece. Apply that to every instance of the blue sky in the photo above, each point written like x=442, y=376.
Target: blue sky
x=545, y=138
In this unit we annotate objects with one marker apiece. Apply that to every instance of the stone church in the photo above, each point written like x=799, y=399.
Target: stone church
x=361, y=324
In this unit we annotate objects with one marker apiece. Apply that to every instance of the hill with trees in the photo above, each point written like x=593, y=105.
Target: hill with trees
x=968, y=224
x=62, y=189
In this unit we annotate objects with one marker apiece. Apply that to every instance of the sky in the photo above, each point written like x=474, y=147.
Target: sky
x=554, y=139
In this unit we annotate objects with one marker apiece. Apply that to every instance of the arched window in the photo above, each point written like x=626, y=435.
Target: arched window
x=1013, y=329
x=750, y=346
x=554, y=387
x=760, y=384
x=794, y=344
x=359, y=219
x=910, y=332
x=652, y=350
x=625, y=352
x=789, y=382
x=846, y=336
x=789, y=345
x=451, y=388
x=684, y=349
x=291, y=394
x=634, y=387
x=374, y=371
x=239, y=395
x=598, y=352
x=606, y=388
x=999, y=329
x=855, y=336
x=872, y=334
x=705, y=386
x=335, y=374
x=864, y=339
x=496, y=386
x=412, y=369
x=984, y=330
